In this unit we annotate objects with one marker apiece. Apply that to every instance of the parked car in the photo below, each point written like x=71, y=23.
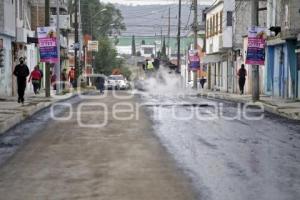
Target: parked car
x=117, y=82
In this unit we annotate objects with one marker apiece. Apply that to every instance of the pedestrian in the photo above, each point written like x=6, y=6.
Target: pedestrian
x=71, y=77
x=150, y=66
x=202, y=82
x=242, y=73
x=42, y=75
x=21, y=72
x=35, y=78
x=101, y=84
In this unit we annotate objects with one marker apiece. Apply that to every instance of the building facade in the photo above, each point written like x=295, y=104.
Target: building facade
x=283, y=71
x=7, y=38
x=219, y=37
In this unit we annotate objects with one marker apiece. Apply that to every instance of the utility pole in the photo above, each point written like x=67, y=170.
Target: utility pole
x=77, y=70
x=57, y=68
x=169, y=30
x=178, y=38
x=195, y=26
x=255, y=68
x=47, y=71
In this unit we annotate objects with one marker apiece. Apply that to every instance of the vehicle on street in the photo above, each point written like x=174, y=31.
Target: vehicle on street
x=117, y=82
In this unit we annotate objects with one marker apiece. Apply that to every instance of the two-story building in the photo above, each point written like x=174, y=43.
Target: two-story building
x=283, y=67
x=227, y=23
x=218, y=43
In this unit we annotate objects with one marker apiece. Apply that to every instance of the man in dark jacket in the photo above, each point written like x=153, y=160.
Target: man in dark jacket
x=242, y=73
x=21, y=72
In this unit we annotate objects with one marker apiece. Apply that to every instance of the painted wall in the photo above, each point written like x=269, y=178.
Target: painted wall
x=6, y=71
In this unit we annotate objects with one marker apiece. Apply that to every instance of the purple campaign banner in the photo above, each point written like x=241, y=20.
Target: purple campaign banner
x=47, y=44
x=256, y=46
x=194, y=60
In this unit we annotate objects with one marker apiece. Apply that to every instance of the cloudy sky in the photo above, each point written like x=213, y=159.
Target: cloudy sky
x=147, y=2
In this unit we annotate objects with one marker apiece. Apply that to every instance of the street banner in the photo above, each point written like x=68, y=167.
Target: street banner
x=47, y=44
x=93, y=46
x=194, y=60
x=256, y=46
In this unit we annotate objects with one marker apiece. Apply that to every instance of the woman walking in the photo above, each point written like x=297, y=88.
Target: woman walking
x=35, y=78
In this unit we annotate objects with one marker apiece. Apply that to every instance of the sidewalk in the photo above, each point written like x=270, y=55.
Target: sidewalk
x=12, y=113
x=285, y=108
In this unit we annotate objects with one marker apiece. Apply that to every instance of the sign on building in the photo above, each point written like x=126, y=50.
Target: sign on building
x=47, y=44
x=93, y=46
x=256, y=46
x=194, y=60
x=64, y=21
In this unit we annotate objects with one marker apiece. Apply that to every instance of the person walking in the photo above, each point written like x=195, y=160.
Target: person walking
x=42, y=75
x=35, y=78
x=242, y=73
x=21, y=72
x=202, y=82
x=101, y=84
x=71, y=76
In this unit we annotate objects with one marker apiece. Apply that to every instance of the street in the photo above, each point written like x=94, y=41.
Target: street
x=144, y=151
x=63, y=160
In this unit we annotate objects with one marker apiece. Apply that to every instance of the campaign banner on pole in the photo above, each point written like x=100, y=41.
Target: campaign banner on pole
x=256, y=46
x=47, y=44
x=194, y=60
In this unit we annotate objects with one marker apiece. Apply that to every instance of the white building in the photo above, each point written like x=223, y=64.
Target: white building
x=219, y=36
x=7, y=37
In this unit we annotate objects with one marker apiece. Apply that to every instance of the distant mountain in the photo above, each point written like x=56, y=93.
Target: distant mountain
x=148, y=20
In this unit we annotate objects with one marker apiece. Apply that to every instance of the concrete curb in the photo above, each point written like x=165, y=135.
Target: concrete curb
x=268, y=107
x=26, y=113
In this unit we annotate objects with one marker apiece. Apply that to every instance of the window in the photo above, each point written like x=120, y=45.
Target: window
x=207, y=28
x=214, y=25
x=221, y=21
x=229, y=18
x=211, y=27
x=217, y=23
x=148, y=50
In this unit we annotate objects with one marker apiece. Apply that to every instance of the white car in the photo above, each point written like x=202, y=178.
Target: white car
x=117, y=82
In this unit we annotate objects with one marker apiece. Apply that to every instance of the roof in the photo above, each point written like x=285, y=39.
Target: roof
x=213, y=6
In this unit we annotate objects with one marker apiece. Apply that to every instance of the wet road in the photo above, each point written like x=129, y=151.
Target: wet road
x=228, y=151
x=89, y=152
x=234, y=155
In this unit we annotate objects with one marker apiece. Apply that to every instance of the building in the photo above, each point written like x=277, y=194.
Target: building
x=7, y=38
x=282, y=76
x=38, y=20
x=219, y=35
x=15, y=29
x=227, y=25
x=24, y=30
x=241, y=21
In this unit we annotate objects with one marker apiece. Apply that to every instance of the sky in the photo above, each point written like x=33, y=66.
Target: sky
x=151, y=2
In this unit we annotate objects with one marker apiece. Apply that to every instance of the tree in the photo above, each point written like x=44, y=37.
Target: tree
x=99, y=19
x=133, y=49
x=106, y=57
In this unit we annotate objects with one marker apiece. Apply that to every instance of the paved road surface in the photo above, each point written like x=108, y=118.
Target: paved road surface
x=122, y=161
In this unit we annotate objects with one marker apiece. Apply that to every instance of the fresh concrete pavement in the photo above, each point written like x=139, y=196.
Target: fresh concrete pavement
x=120, y=161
